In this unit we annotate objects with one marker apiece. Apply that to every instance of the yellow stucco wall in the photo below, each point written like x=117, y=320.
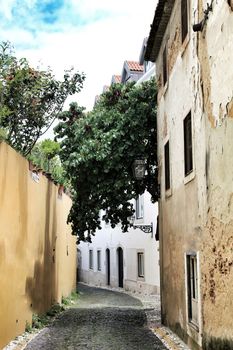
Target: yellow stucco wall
x=37, y=250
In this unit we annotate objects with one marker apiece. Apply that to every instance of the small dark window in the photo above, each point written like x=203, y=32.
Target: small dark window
x=99, y=260
x=184, y=19
x=188, y=151
x=91, y=259
x=140, y=264
x=193, y=273
x=167, y=166
x=164, y=66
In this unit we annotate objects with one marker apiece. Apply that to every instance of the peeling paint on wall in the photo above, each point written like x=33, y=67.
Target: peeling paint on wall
x=206, y=81
x=165, y=126
x=173, y=49
x=229, y=108
x=200, y=82
x=217, y=276
x=230, y=3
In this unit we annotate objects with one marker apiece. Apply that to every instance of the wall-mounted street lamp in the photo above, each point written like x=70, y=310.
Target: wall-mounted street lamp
x=139, y=172
x=139, y=168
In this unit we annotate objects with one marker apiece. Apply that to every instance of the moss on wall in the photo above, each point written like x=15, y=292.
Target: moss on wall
x=176, y=328
x=180, y=332
x=212, y=343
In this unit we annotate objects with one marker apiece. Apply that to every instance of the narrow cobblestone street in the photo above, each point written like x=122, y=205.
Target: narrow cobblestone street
x=102, y=320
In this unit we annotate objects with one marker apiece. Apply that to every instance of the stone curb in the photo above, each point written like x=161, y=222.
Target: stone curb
x=20, y=342
x=169, y=339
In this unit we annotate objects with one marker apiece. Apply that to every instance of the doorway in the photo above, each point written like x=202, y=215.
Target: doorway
x=120, y=267
x=108, y=266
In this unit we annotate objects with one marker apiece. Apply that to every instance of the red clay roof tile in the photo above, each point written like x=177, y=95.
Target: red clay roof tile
x=134, y=66
x=117, y=78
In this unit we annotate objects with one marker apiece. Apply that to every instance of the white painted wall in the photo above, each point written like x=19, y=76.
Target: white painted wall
x=131, y=242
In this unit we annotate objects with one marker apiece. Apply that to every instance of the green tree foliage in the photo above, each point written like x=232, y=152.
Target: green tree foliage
x=98, y=150
x=43, y=152
x=50, y=149
x=45, y=155
x=30, y=99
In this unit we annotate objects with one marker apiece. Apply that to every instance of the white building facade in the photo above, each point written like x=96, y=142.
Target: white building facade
x=129, y=260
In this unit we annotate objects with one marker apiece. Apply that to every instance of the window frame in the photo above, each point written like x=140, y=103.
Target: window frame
x=139, y=207
x=141, y=264
x=188, y=144
x=91, y=265
x=192, y=287
x=98, y=259
x=165, y=70
x=167, y=172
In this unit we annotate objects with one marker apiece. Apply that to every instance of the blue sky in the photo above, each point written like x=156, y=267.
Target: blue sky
x=50, y=16
x=93, y=36
x=32, y=15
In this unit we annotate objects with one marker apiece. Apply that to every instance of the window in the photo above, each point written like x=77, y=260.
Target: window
x=164, y=66
x=184, y=19
x=139, y=207
x=167, y=166
x=99, y=260
x=91, y=259
x=192, y=284
x=188, y=150
x=140, y=264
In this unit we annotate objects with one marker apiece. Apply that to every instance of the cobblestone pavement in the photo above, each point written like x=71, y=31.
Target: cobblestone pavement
x=151, y=305
x=102, y=320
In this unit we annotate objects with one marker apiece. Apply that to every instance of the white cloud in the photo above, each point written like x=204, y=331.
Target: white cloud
x=127, y=7
x=17, y=36
x=97, y=48
x=6, y=8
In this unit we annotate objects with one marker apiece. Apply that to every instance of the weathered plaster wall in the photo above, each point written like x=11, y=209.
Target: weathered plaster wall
x=37, y=251
x=183, y=208
x=197, y=214
x=215, y=53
